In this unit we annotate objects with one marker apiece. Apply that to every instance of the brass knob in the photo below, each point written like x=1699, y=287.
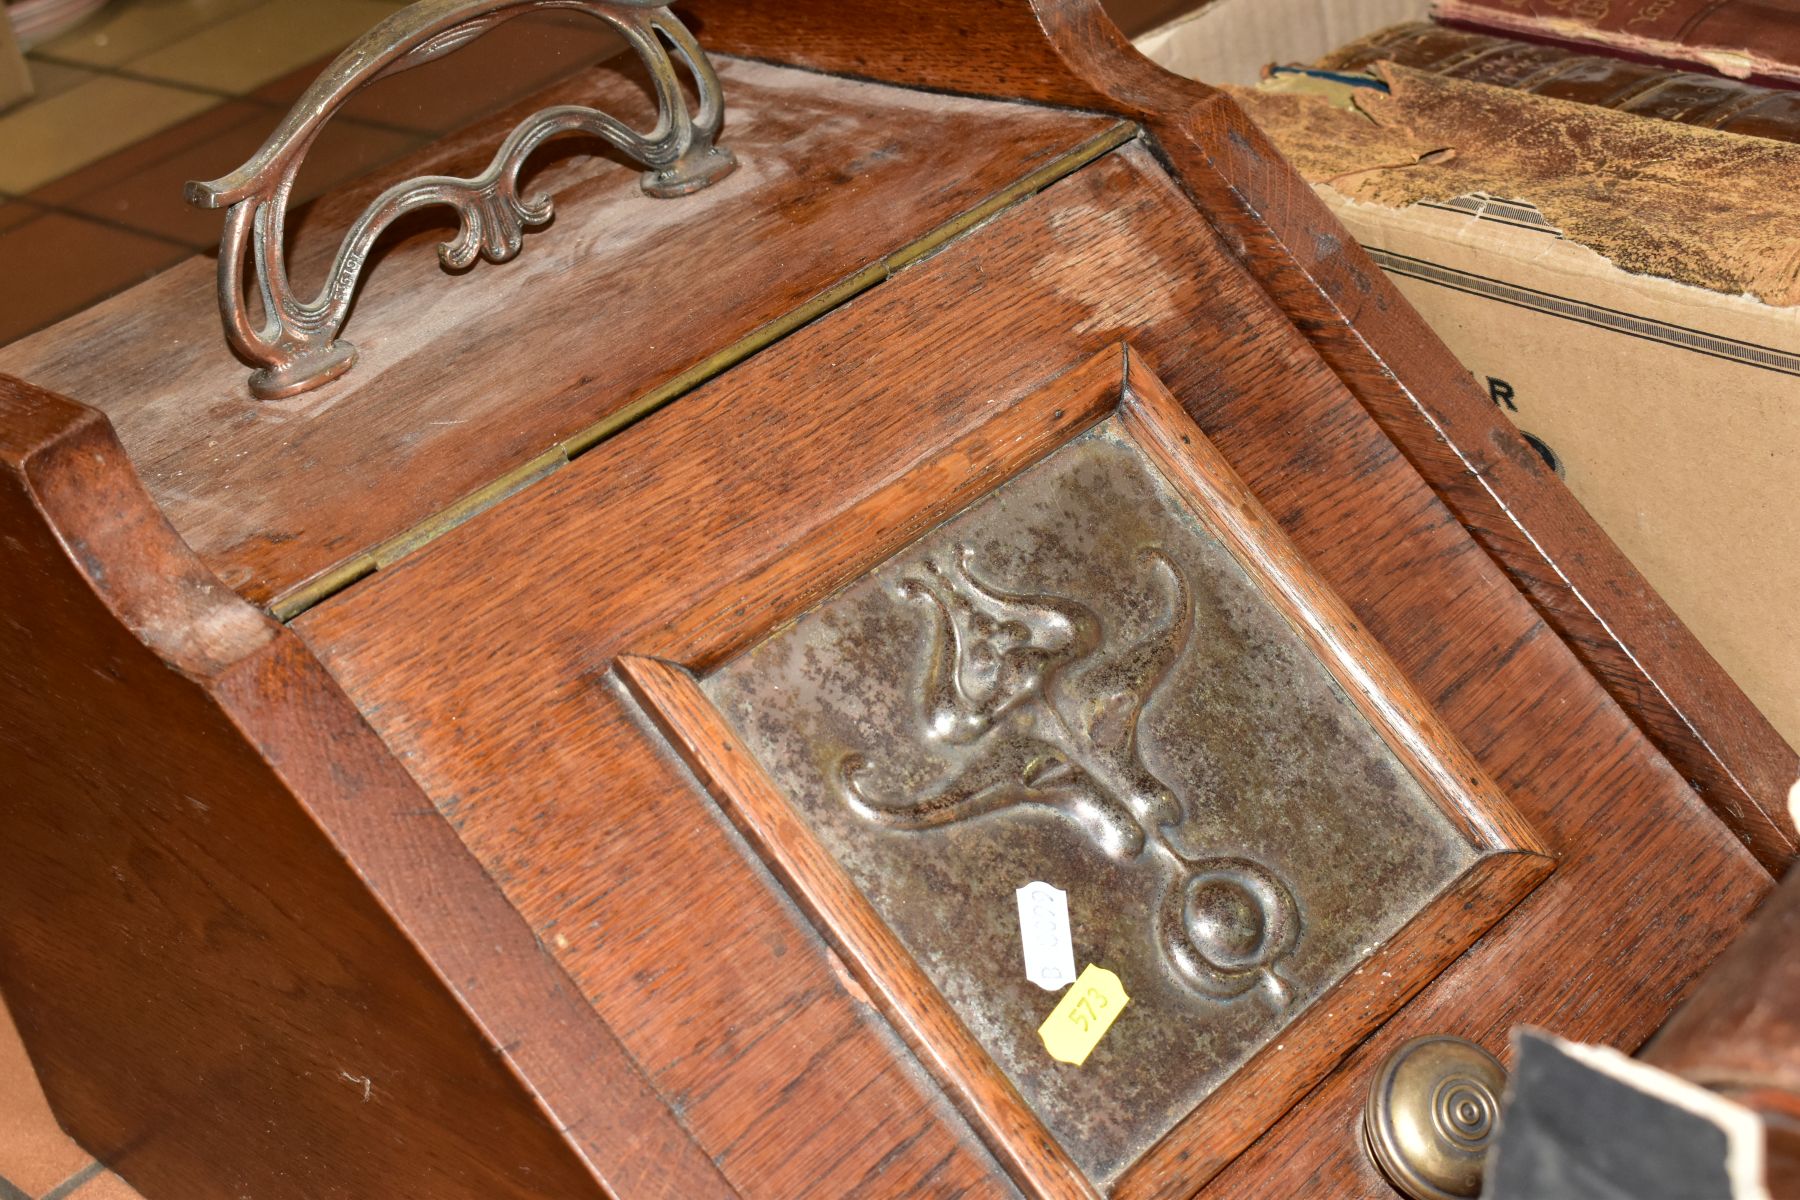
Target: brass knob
x=1433, y=1105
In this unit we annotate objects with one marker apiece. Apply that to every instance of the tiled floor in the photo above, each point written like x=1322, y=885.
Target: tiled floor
x=37, y=1160
x=142, y=98
x=152, y=93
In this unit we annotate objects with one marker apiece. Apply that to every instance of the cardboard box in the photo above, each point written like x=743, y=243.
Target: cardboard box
x=1671, y=411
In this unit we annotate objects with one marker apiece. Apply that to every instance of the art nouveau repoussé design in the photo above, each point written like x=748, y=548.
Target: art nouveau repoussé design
x=1073, y=681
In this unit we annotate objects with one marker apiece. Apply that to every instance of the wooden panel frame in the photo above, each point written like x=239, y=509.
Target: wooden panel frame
x=663, y=674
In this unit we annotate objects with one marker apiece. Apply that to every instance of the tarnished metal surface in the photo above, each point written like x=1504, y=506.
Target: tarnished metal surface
x=296, y=347
x=1073, y=682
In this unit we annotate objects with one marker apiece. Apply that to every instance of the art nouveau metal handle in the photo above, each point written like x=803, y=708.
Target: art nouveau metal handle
x=297, y=346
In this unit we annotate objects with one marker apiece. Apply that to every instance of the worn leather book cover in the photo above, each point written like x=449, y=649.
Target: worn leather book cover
x=1645, y=89
x=1745, y=39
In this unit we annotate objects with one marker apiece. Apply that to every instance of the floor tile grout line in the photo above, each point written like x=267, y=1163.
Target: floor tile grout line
x=153, y=163
x=123, y=70
x=217, y=93
x=283, y=107
x=68, y=1186
x=11, y=1191
x=160, y=159
x=192, y=249
x=66, y=208
x=153, y=133
x=525, y=90
x=139, y=77
x=110, y=69
x=116, y=226
x=87, y=303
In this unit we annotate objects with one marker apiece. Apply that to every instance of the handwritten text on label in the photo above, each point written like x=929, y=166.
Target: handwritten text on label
x=1044, y=929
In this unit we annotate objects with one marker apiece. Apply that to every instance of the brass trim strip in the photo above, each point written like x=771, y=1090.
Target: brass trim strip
x=291, y=604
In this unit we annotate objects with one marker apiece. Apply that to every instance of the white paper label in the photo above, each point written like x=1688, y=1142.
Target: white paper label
x=1044, y=928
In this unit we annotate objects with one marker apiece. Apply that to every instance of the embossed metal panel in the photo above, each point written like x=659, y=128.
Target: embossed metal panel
x=1073, y=681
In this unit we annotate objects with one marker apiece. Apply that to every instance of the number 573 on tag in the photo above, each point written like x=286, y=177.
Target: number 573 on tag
x=1084, y=1014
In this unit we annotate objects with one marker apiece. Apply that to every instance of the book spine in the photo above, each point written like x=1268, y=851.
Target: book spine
x=1645, y=89
x=1754, y=40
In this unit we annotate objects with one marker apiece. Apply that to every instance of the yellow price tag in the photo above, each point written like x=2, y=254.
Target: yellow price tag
x=1084, y=1014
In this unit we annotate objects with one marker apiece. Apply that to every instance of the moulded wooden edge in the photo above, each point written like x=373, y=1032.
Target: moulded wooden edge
x=885, y=968
x=1510, y=862
x=1383, y=693
x=657, y=672
x=1260, y=1093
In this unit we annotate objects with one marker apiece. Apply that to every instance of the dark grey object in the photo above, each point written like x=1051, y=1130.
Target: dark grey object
x=1569, y=1131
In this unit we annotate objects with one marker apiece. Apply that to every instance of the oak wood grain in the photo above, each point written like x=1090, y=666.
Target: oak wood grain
x=1000, y=443
x=1069, y=52
x=741, y=610
x=453, y=389
x=495, y=687
x=279, y=872
x=1472, y=802
x=246, y=955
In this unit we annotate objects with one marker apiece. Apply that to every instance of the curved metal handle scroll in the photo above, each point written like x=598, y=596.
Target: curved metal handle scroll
x=297, y=346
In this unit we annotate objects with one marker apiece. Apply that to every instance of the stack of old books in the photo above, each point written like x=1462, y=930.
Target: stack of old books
x=1676, y=63
x=1596, y=203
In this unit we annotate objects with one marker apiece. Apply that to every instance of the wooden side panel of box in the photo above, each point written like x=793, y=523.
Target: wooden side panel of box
x=220, y=890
